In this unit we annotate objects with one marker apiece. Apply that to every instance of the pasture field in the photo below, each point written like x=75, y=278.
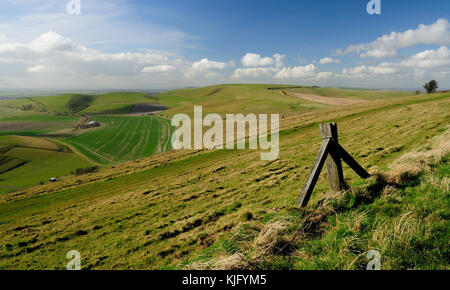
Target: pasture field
x=227, y=209
x=231, y=99
x=123, y=138
x=257, y=99
x=349, y=93
x=27, y=161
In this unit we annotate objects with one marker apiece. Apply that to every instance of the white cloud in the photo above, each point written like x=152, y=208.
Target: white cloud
x=53, y=42
x=429, y=59
x=327, y=60
x=297, y=72
x=279, y=60
x=36, y=68
x=253, y=59
x=362, y=70
x=324, y=75
x=385, y=46
x=67, y=63
x=256, y=72
x=205, y=64
x=379, y=53
x=415, y=65
x=162, y=68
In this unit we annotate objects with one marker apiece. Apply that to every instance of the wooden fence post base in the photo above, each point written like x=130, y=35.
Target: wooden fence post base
x=334, y=164
x=332, y=153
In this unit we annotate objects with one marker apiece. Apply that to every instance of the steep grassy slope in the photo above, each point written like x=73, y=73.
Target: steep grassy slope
x=118, y=103
x=189, y=209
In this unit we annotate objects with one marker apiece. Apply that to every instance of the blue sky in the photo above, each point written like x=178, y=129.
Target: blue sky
x=167, y=44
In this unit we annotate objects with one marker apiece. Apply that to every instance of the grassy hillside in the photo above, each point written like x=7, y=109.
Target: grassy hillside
x=257, y=99
x=27, y=161
x=112, y=103
x=228, y=209
x=232, y=99
x=349, y=93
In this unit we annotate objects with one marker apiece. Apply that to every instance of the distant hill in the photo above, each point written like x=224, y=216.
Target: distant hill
x=111, y=103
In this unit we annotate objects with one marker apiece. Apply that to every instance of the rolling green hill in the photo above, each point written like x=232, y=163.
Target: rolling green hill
x=257, y=99
x=111, y=103
x=232, y=99
x=227, y=209
x=350, y=93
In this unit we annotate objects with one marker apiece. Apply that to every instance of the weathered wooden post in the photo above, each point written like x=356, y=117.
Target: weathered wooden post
x=332, y=153
x=334, y=164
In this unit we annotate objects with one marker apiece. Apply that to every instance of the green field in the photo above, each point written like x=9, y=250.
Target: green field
x=227, y=209
x=123, y=139
x=350, y=93
x=28, y=161
x=232, y=99
x=119, y=139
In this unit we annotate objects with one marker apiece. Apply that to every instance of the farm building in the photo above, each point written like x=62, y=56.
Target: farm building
x=85, y=123
x=93, y=124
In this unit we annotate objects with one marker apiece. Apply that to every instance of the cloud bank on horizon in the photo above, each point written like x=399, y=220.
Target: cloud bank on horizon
x=53, y=60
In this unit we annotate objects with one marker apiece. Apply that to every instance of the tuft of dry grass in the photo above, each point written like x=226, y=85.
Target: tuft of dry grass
x=414, y=163
x=234, y=262
x=269, y=237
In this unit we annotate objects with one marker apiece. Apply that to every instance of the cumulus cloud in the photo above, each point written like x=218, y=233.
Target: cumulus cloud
x=162, y=68
x=362, y=70
x=297, y=72
x=324, y=75
x=385, y=46
x=205, y=64
x=429, y=59
x=253, y=59
x=279, y=60
x=327, y=60
x=379, y=53
x=53, y=50
x=256, y=72
x=53, y=42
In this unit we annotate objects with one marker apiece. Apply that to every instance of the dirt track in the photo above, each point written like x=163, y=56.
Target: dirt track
x=328, y=100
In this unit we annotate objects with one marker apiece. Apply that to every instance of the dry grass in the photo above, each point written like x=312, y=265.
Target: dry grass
x=412, y=164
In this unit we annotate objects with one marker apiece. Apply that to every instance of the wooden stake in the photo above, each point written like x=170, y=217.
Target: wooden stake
x=334, y=164
x=331, y=153
x=308, y=188
x=352, y=162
